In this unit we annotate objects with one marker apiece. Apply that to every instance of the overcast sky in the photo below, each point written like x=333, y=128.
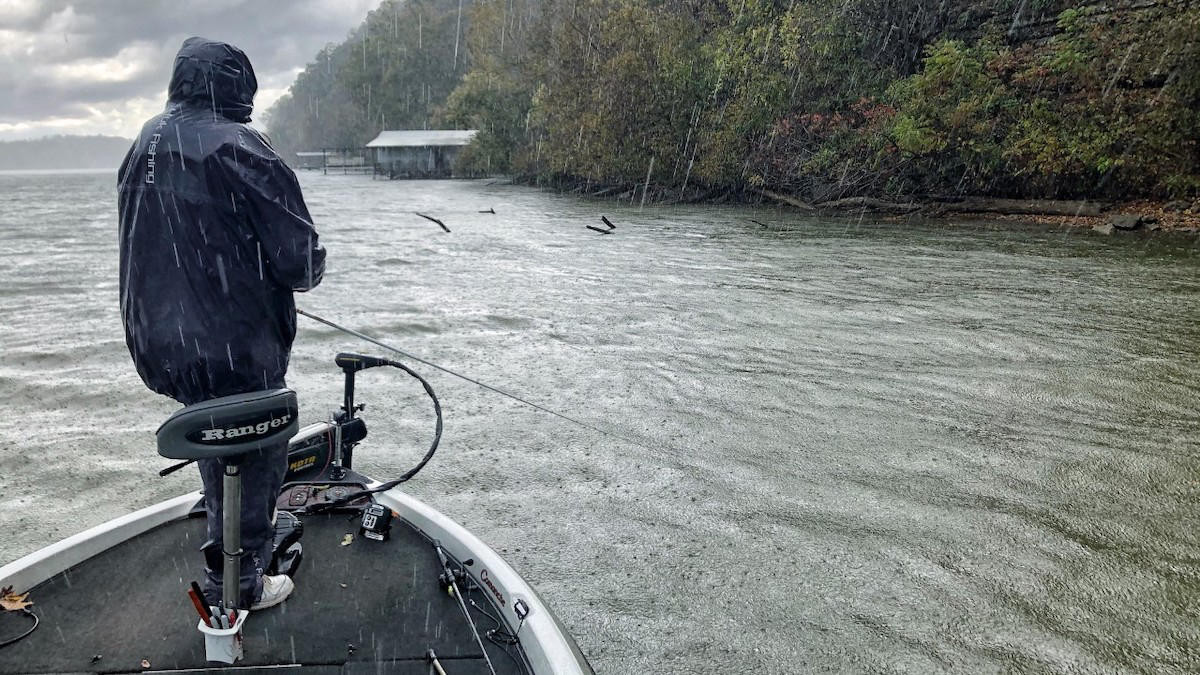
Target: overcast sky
x=102, y=66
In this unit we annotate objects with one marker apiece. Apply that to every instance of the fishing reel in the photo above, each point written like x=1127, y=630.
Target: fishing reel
x=450, y=578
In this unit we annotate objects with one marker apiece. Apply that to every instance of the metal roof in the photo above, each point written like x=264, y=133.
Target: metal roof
x=422, y=138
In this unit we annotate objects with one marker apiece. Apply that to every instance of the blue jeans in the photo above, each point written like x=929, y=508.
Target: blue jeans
x=262, y=475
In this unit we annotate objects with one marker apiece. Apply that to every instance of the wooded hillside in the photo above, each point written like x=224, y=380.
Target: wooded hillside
x=822, y=99
x=392, y=72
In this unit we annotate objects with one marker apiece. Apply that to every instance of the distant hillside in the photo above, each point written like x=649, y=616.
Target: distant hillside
x=393, y=72
x=64, y=152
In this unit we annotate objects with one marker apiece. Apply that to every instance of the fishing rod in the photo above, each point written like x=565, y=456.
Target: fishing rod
x=375, y=341
x=450, y=579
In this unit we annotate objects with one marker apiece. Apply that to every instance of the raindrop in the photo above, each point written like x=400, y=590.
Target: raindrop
x=221, y=273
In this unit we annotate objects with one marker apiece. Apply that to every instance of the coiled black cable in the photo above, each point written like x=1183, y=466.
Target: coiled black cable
x=437, y=438
x=27, y=612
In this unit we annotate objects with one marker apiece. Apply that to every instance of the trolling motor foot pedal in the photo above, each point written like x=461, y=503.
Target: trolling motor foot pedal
x=286, y=551
x=303, y=496
x=288, y=561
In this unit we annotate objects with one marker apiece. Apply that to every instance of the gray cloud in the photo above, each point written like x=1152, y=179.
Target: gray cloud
x=75, y=65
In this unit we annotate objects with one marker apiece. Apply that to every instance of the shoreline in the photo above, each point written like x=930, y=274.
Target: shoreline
x=1108, y=218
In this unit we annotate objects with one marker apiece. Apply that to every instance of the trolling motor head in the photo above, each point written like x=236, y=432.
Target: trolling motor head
x=357, y=362
x=351, y=364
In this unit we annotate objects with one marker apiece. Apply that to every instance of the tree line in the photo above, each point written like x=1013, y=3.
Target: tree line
x=822, y=99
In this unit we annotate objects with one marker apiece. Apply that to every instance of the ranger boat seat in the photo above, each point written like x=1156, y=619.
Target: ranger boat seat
x=230, y=425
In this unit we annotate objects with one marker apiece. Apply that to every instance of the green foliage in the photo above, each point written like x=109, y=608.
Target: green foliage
x=952, y=119
x=494, y=97
x=1121, y=119
x=825, y=98
x=621, y=84
x=1074, y=48
x=912, y=137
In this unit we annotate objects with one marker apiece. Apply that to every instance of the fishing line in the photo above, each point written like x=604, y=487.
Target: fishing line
x=374, y=341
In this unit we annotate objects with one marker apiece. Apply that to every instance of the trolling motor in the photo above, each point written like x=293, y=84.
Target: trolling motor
x=323, y=453
x=325, y=446
x=346, y=424
x=320, y=458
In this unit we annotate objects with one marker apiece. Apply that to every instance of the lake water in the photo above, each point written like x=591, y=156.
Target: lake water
x=836, y=446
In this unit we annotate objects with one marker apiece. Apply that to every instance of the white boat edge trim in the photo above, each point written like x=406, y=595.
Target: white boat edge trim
x=551, y=651
x=31, y=570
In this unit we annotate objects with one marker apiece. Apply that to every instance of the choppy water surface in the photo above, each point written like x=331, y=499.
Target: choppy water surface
x=859, y=447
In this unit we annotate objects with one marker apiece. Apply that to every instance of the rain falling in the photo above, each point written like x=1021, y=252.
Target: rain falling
x=552, y=336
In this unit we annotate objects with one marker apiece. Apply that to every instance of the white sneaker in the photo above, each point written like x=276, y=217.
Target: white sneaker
x=276, y=589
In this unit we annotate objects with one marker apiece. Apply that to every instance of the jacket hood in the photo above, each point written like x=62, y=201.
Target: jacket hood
x=214, y=74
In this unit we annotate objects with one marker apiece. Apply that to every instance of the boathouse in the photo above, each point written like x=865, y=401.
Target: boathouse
x=420, y=153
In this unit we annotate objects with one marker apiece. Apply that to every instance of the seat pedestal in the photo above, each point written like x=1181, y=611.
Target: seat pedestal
x=231, y=533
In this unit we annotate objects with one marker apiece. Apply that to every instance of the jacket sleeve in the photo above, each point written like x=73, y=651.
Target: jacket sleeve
x=275, y=208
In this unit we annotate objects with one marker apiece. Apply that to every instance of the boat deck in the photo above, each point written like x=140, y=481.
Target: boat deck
x=366, y=607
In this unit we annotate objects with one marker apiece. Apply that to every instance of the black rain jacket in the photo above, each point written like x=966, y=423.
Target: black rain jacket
x=214, y=237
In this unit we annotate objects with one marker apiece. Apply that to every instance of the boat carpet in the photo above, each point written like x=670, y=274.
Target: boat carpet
x=366, y=607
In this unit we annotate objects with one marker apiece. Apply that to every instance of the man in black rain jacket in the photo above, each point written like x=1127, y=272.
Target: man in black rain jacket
x=215, y=237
